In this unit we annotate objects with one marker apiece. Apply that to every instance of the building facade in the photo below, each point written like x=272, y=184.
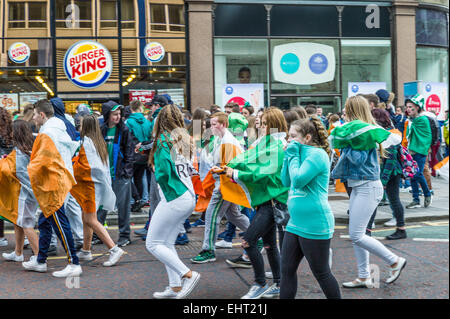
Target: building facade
x=294, y=52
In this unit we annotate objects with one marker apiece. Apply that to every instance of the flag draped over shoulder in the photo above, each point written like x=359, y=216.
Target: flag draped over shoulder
x=93, y=188
x=257, y=175
x=360, y=136
x=17, y=202
x=50, y=167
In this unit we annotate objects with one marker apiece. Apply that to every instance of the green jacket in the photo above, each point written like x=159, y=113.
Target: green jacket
x=419, y=135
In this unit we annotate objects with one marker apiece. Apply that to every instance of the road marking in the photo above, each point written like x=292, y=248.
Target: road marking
x=436, y=223
x=442, y=240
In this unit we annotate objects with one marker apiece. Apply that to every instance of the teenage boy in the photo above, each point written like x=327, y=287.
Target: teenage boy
x=51, y=176
x=225, y=148
x=120, y=146
x=419, y=142
x=140, y=128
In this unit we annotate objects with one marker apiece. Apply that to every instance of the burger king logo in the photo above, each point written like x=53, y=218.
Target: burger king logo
x=154, y=52
x=88, y=64
x=19, y=52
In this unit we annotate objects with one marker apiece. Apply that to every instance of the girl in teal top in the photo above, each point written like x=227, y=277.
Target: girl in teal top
x=306, y=170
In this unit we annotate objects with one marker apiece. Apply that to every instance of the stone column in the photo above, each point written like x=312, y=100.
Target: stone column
x=201, y=55
x=404, y=45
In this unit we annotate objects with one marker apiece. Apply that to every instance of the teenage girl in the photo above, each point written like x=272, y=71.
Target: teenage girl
x=170, y=158
x=306, y=171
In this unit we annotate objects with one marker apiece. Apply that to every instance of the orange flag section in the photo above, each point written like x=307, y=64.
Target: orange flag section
x=233, y=192
x=50, y=180
x=208, y=188
x=84, y=190
x=10, y=188
x=441, y=163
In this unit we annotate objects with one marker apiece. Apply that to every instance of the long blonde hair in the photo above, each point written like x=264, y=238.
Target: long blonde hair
x=170, y=121
x=91, y=129
x=358, y=108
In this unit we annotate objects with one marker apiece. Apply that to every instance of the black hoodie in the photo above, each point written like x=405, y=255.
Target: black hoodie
x=125, y=154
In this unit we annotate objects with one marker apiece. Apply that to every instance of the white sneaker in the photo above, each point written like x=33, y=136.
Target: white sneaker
x=84, y=255
x=26, y=243
x=391, y=223
x=224, y=244
x=394, y=273
x=114, y=255
x=188, y=285
x=12, y=256
x=269, y=275
x=3, y=242
x=166, y=294
x=33, y=265
x=359, y=284
x=71, y=270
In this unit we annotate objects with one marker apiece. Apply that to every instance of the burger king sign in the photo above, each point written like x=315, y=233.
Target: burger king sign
x=19, y=52
x=88, y=64
x=154, y=52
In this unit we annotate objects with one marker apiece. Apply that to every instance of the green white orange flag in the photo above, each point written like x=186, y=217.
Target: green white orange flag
x=17, y=202
x=361, y=136
x=257, y=173
x=93, y=188
x=50, y=167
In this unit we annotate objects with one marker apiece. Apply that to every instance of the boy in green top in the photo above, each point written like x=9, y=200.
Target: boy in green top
x=419, y=138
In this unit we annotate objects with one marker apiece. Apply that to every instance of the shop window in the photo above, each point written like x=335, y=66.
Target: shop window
x=366, y=22
x=431, y=27
x=178, y=58
x=304, y=21
x=165, y=17
x=432, y=64
x=40, y=53
x=127, y=11
x=108, y=15
x=240, y=20
x=73, y=14
x=366, y=61
x=27, y=14
x=231, y=58
x=16, y=14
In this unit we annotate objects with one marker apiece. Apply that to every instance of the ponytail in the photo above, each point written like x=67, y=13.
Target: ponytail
x=314, y=127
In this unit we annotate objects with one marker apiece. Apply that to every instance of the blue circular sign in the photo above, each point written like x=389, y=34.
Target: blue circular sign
x=355, y=88
x=290, y=63
x=229, y=90
x=318, y=63
x=428, y=88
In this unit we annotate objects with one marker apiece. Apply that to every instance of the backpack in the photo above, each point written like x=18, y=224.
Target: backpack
x=435, y=131
x=408, y=164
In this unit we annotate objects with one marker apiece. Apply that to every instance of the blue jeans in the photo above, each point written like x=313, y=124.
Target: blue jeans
x=419, y=178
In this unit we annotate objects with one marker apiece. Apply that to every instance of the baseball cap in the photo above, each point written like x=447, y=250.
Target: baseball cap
x=159, y=100
x=383, y=95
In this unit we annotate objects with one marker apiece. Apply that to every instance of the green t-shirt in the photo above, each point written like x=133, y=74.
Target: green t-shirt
x=109, y=139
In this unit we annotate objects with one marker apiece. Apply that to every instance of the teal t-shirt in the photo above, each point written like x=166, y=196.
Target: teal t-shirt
x=306, y=170
x=109, y=139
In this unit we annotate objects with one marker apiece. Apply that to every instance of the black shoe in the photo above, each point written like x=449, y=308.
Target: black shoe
x=52, y=251
x=78, y=246
x=123, y=242
x=383, y=203
x=399, y=234
x=137, y=206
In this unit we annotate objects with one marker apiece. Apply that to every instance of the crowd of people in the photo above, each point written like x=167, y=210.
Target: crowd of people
x=64, y=175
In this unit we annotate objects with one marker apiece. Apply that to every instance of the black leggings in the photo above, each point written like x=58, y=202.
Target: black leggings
x=317, y=254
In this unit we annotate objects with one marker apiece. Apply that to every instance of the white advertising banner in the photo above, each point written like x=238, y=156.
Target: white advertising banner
x=436, y=97
x=9, y=101
x=303, y=63
x=31, y=97
x=355, y=88
x=241, y=93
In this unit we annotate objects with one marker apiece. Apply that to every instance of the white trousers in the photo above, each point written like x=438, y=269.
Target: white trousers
x=363, y=201
x=165, y=225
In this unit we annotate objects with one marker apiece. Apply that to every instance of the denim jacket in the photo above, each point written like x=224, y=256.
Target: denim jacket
x=357, y=165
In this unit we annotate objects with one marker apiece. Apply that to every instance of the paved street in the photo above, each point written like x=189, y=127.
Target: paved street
x=139, y=274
